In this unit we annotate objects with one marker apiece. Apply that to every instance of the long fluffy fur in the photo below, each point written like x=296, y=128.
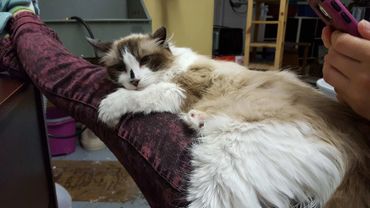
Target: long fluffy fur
x=271, y=163
x=265, y=139
x=272, y=141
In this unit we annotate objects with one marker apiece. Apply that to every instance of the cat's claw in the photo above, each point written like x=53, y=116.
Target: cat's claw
x=195, y=119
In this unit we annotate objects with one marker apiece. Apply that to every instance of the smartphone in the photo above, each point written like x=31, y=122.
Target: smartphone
x=336, y=15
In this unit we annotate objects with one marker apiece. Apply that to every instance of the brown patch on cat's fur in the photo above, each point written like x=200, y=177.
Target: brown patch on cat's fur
x=195, y=81
x=115, y=70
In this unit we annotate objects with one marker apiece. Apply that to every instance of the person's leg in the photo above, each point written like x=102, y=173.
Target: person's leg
x=9, y=63
x=153, y=148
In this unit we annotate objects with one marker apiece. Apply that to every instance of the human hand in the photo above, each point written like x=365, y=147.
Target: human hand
x=347, y=67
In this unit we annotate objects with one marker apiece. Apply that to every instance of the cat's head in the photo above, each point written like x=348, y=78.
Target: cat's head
x=138, y=60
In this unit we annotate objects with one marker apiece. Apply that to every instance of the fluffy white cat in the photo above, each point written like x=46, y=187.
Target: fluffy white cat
x=265, y=139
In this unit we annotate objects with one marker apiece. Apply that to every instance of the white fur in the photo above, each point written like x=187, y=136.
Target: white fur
x=223, y=68
x=184, y=57
x=250, y=164
x=130, y=61
x=162, y=97
x=141, y=72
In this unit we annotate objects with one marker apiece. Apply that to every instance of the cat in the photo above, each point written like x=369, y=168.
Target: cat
x=265, y=139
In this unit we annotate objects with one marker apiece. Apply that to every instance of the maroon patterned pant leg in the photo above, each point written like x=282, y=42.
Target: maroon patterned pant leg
x=153, y=148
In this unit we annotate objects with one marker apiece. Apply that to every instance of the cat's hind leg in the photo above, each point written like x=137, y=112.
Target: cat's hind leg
x=195, y=118
x=205, y=123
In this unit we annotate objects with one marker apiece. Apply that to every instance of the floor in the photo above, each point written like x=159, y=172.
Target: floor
x=100, y=155
x=138, y=203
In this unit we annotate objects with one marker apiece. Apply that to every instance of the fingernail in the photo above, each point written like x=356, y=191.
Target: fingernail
x=365, y=22
x=366, y=25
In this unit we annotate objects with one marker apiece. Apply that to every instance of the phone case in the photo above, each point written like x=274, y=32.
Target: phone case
x=335, y=14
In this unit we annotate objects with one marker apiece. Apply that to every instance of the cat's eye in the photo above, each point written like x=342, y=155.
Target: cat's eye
x=144, y=60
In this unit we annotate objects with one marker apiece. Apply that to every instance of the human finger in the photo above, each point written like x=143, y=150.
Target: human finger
x=340, y=96
x=335, y=77
x=364, y=29
x=325, y=36
x=351, y=46
x=346, y=65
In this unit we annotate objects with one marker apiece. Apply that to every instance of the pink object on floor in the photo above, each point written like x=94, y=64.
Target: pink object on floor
x=61, y=132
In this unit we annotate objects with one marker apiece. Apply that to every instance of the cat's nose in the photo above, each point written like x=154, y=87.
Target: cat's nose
x=135, y=82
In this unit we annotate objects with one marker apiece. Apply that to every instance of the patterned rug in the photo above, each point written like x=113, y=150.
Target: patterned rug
x=95, y=181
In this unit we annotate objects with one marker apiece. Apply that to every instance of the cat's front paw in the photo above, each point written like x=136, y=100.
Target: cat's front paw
x=111, y=109
x=108, y=114
x=195, y=119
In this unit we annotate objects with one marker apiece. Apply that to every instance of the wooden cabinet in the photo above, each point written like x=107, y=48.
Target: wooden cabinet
x=25, y=172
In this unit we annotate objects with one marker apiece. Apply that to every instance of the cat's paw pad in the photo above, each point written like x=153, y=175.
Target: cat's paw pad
x=195, y=119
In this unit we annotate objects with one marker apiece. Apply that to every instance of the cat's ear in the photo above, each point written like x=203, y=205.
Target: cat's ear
x=102, y=47
x=160, y=35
